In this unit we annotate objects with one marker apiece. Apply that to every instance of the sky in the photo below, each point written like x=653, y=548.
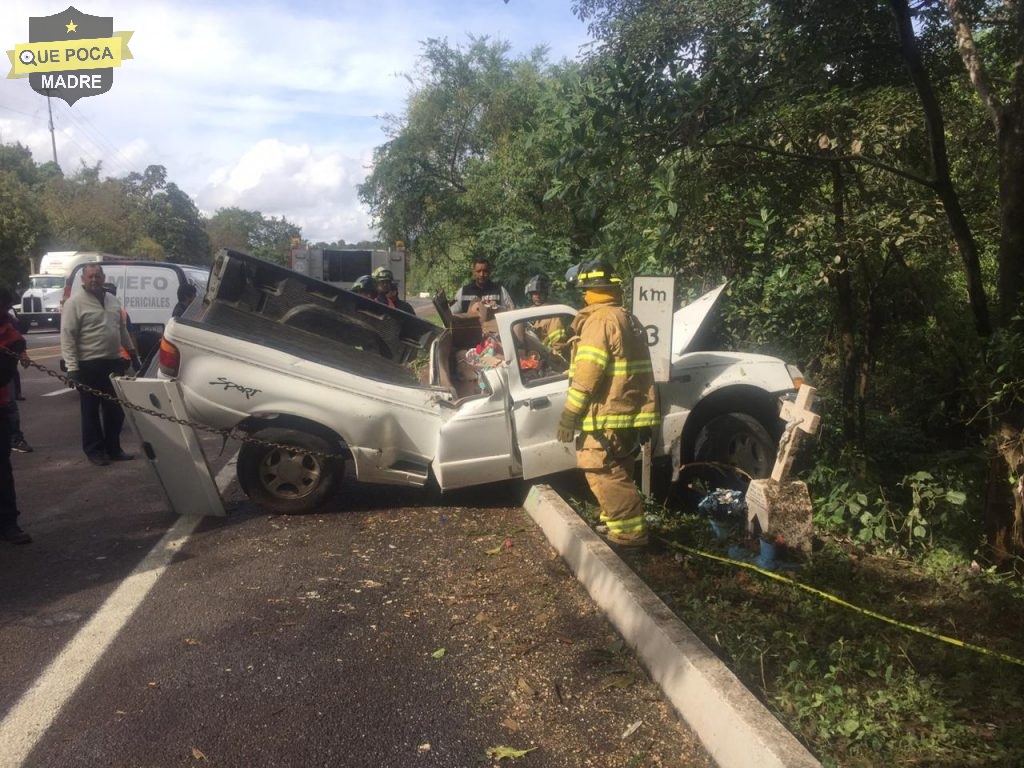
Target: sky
x=265, y=106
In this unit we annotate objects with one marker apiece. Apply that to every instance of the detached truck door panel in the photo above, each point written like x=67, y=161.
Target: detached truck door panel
x=173, y=449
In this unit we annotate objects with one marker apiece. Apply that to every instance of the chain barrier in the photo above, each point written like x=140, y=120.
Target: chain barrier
x=232, y=433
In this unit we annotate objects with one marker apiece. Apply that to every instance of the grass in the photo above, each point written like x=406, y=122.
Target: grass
x=858, y=691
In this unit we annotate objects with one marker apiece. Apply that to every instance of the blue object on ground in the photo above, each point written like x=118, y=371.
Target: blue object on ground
x=724, y=504
x=766, y=560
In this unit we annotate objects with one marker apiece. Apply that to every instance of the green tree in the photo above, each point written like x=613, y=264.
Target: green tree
x=167, y=218
x=860, y=110
x=459, y=162
x=268, y=238
x=24, y=226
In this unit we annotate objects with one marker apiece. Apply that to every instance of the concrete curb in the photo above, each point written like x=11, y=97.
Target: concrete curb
x=736, y=729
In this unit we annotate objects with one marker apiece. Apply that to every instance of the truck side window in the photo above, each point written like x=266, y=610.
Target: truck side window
x=538, y=361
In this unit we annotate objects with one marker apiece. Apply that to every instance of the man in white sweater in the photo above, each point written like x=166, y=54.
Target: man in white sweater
x=93, y=331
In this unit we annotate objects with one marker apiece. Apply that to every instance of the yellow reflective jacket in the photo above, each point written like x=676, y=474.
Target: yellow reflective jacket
x=551, y=331
x=611, y=382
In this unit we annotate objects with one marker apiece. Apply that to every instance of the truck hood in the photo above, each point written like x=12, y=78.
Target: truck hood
x=692, y=324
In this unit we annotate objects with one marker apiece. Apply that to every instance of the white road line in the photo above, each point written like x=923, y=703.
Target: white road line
x=32, y=716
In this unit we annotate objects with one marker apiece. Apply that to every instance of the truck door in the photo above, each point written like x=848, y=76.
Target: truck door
x=172, y=447
x=538, y=384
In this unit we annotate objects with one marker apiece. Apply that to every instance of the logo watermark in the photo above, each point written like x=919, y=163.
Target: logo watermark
x=70, y=55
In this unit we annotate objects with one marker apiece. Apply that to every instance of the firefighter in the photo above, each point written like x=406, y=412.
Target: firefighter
x=387, y=290
x=611, y=399
x=550, y=330
x=365, y=286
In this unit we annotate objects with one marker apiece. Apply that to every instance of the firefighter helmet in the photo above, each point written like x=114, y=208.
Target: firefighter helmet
x=383, y=273
x=598, y=274
x=365, y=284
x=539, y=283
x=572, y=276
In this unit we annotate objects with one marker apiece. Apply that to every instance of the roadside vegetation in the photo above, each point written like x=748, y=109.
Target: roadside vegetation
x=857, y=690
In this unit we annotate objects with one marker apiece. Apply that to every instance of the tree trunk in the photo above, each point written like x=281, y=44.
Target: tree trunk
x=846, y=311
x=1011, y=213
x=943, y=183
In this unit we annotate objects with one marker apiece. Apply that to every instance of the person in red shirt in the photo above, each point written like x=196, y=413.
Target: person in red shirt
x=12, y=349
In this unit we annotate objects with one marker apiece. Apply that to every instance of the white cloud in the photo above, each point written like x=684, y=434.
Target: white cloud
x=268, y=106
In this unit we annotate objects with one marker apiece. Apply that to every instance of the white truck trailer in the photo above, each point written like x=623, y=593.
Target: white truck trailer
x=343, y=266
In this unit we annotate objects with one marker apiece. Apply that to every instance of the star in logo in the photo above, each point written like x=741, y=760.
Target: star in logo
x=71, y=26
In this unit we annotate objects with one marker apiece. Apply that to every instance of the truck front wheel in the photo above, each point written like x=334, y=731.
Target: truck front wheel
x=739, y=440
x=289, y=480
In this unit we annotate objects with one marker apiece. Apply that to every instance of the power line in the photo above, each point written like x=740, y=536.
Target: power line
x=98, y=138
x=106, y=153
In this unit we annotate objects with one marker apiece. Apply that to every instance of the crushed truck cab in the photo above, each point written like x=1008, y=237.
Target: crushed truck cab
x=323, y=378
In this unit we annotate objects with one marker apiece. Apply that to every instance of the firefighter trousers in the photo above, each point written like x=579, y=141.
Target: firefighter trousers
x=607, y=459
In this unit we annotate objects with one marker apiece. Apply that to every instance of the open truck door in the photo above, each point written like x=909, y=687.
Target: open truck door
x=538, y=382
x=173, y=449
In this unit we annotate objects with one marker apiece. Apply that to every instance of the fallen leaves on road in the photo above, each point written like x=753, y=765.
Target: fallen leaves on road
x=439, y=653
x=500, y=753
x=198, y=755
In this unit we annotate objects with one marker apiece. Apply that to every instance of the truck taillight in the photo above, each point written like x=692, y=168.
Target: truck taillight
x=170, y=358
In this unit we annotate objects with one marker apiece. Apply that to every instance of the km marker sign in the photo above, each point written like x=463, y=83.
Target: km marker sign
x=653, y=304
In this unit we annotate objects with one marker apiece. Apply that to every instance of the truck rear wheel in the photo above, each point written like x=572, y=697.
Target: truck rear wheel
x=289, y=481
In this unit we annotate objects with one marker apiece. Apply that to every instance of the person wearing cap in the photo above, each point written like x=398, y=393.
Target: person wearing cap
x=611, y=399
x=387, y=290
x=482, y=289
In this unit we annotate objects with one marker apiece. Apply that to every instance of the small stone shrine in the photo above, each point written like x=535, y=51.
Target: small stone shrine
x=779, y=510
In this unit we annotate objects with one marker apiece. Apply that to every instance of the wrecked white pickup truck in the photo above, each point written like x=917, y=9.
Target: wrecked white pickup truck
x=297, y=362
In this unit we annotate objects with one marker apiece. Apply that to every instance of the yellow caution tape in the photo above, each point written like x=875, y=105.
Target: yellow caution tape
x=851, y=606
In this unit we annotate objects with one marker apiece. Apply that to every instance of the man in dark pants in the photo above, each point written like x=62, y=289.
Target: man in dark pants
x=11, y=341
x=92, y=332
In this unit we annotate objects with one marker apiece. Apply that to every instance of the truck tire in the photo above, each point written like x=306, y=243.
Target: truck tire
x=288, y=482
x=739, y=440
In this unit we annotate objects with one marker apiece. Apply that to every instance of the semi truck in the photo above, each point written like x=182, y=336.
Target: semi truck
x=343, y=266
x=41, y=301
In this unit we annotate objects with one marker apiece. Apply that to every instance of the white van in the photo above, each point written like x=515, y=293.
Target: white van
x=148, y=290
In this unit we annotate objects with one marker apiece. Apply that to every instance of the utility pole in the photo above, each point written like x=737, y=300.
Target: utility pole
x=53, y=140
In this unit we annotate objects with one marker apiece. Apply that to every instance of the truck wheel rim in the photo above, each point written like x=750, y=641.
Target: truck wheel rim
x=290, y=474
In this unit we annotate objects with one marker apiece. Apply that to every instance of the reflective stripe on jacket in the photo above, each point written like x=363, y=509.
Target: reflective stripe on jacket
x=611, y=381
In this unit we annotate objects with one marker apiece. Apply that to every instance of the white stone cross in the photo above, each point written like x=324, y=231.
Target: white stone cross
x=799, y=419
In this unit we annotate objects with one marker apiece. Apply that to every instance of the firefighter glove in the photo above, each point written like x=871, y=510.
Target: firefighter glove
x=567, y=427
x=73, y=379
x=643, y=435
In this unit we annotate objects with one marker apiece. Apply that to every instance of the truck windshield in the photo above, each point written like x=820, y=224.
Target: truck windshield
x=46, y=281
